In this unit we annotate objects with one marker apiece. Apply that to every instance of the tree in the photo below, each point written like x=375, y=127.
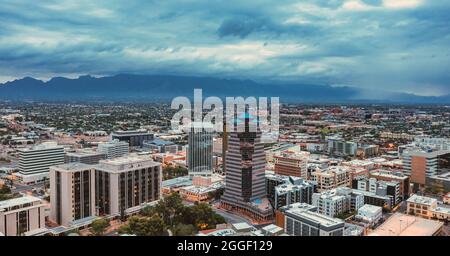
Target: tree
x=144, y=226
x=99, y=226
x=184, y=230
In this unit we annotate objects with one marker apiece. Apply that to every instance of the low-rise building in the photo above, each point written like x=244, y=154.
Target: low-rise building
x=301, y=222
x=427, y=207
x=370, y=214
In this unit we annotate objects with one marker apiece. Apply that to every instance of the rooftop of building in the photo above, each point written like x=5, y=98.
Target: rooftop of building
x=82, y=153
x=42, y=146
x=72, y=167
x=324, y=220
x=126, y=162
x=388, y=174
x=425, y=154
x=407, y=225
x=298, y=207
x=421, y=200
x=131, y=132
x=177, y=182
x=442, y=176
x=159, y=142
x=371, y=209
x=18, y=201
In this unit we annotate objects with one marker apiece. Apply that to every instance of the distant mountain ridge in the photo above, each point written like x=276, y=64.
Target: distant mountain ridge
x=126, y=87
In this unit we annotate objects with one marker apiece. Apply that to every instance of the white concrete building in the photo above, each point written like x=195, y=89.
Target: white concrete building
x=301, y=222
x=34, y=162
x=22, y=216
x=114, y=148
x=126, y=184
x=337, y=201
x=370, y=214
x=72, y=193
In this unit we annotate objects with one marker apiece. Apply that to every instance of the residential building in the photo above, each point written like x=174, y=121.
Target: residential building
x=337, y=201
x=72, y=193
x=22, y=216
x=114, y=148
x=124, y=185
x=34, y=162
x=342, y=148
x=402, y=179
x=332, y=177
x=289, y=193
x=292, y=164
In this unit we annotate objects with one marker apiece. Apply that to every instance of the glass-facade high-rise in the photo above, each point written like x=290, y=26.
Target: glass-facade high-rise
x=200, y=151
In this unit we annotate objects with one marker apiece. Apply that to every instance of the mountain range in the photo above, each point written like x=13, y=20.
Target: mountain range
x=142, y=88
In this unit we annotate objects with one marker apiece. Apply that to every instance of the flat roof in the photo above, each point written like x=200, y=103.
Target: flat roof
x=324, y=220
x=372, y=209
x=18, y=201
x=407, y=225
x=72, y=167
x=421, y=200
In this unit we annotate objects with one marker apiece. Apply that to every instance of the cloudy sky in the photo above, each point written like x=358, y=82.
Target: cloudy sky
x=396, y=45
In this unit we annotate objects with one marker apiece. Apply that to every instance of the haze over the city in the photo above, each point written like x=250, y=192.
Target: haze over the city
x=390, y=45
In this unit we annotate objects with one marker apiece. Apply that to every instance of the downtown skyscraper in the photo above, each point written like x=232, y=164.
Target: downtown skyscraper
x=200, y=151
x=245, y=189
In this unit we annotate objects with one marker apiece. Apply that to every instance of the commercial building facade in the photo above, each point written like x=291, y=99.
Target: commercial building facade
x=114, y=148
x=291, y=164
x=200, y=151
x=84, y=156
x=34, y=162
x=126, y=184
x=72, y=193
x=245, y=189
x=22, y=216
x=133, y=138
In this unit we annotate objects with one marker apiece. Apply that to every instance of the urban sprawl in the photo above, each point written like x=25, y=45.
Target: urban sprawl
x=111, y=169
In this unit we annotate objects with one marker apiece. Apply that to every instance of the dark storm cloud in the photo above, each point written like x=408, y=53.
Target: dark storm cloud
x=399, y=45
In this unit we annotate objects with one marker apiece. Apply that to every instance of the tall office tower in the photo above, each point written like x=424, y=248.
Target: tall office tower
x=124, y=185
x=72, y=193
x=34, y=162
x=133, y=138
x=84, y=156
x=245, y=181
x=22, y=216
x=200, y=149
x=420, y=165
x=114, y=148
x=224, y=145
